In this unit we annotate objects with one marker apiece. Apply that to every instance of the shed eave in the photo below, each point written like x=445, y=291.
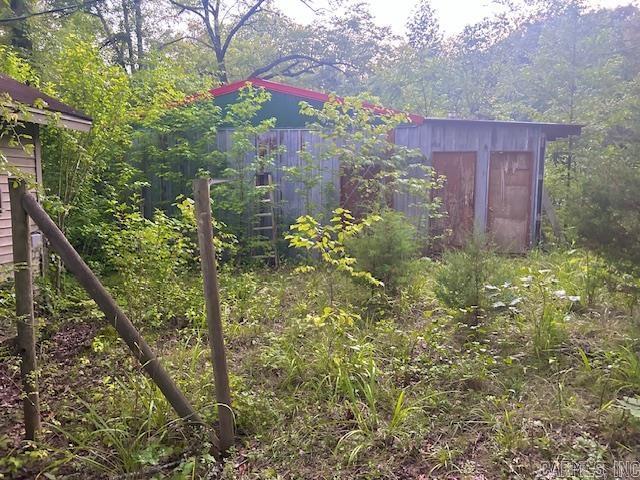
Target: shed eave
x=552, y=131
x=45, y=117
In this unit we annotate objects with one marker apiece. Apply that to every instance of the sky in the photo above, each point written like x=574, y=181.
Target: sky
x=453, y=14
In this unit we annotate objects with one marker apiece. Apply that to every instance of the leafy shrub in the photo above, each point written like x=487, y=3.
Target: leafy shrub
x=548, y=310
x=608, y=219
x=463, y=275
x=151, y=257
x=328, y=243
x=156, y=262
x=387, y=249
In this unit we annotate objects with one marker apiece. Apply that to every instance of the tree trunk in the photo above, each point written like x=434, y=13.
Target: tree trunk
x=137, y=12
x=127, y=32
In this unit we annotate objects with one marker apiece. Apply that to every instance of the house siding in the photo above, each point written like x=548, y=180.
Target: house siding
x=27, y=158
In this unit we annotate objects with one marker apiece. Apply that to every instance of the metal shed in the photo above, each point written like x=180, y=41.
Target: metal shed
x=32, y=108
x=494, y=169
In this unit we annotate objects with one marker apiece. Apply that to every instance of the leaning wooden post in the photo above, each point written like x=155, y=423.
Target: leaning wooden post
x=21, y=238
x=113, y=313
x=212, y=299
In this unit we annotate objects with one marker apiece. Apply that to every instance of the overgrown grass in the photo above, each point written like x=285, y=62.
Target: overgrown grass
x=375, y=386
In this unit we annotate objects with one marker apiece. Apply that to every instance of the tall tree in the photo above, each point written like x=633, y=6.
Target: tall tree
x=423, y=28
x=224, y=22
x=126, y=29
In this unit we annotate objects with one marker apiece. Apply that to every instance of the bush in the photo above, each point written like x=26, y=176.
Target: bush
x=387, y=249
x=607, y=219
x=156, y=264
x=463, y=275
x=150, y=259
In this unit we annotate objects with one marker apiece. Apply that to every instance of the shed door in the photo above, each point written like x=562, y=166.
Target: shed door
x=457, y=195
x=510, y=200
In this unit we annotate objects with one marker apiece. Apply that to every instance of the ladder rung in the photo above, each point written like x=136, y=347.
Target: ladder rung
x=270, y=227
x=265, y=214
x=266, y=200
x=263, y=256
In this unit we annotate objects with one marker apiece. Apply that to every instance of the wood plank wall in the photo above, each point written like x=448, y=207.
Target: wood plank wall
x=290, y=142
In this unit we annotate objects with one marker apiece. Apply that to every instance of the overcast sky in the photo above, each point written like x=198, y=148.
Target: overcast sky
x=453, y=14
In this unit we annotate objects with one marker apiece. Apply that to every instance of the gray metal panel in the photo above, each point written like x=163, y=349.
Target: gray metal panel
x=290, y=142
x=482, y=181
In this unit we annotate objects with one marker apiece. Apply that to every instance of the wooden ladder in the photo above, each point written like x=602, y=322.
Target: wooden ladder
x=264, y=236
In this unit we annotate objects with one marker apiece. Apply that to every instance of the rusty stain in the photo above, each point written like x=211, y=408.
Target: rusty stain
x=509, y=200
x=458, y=195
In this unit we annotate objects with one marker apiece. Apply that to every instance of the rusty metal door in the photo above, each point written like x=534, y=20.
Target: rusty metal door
x=510, y=177
x=458, y=196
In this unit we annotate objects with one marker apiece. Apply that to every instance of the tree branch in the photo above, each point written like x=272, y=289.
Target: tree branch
x=297, y=58
x=255, y=8
x=188, y=8
x=185, y=37
x=111, y=38
x=47, y=12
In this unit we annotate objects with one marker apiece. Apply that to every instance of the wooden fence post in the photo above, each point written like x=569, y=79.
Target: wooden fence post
x=116, y=317
x=21, y=238
x=214, y=322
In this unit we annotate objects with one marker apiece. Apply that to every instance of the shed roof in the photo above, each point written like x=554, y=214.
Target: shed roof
x=302, y=93
x=552, y=131
x=29, y=96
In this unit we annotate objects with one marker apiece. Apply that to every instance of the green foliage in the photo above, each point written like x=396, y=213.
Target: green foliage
x=114, y=447
x=387, y=250
x=307, y=176
x=172, y=147
x=328, y=242
x=235, y=200
x=608, y=219
x=347, y=390
x=86, y=172
x=355, y=131
x=463, y=276
x=550, y=313
x=12, y=131
x=153, y=258
x=355, y=389
x=15, y=66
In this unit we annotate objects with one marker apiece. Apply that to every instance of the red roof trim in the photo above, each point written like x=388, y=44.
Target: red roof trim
x=301, y=93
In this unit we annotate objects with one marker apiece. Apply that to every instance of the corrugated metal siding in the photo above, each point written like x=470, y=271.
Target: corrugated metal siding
x=290, y=142
x=427, y=138
x=483, y=139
